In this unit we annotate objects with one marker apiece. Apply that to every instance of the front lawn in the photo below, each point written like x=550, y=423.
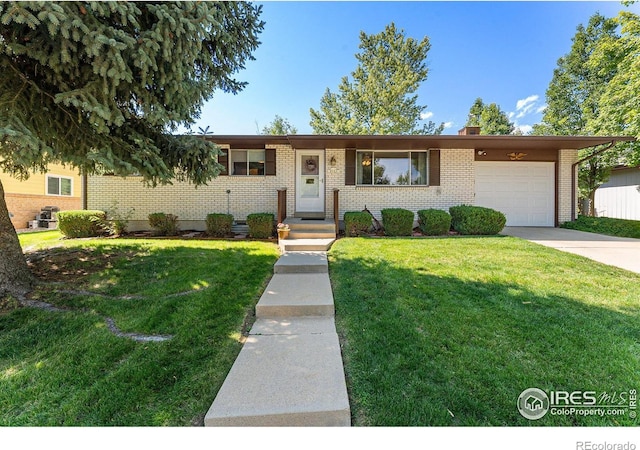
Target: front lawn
x=76, y=363
x=606, y=225
x=440, y=332
x=33, y=240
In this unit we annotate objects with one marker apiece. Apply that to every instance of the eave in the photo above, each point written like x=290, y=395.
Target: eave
x=414, y=142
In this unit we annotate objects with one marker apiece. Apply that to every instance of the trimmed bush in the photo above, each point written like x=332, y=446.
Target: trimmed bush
x=476, y=220
x=397, y=221
x=80, y=224
x=164, y=224
x=356, y=223
x=261, y=225
x=434, y=222
x=219, y=225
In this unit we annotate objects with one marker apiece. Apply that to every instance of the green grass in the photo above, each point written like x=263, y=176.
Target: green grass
x=439, y=332
x=67, y=368
x=34, y=240
x=606, y=225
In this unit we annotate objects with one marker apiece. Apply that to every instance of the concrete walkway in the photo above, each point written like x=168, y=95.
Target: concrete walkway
x=611, y=250
x=289, y=372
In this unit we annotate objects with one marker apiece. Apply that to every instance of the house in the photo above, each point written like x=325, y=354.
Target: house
x=60, y=187
x=532, y=179
x=620, y=196
x=534, y=403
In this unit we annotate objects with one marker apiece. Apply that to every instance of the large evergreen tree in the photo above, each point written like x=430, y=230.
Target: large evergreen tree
x=100, y=86
x=380, y=97
x=490, y=118
x=574, y=96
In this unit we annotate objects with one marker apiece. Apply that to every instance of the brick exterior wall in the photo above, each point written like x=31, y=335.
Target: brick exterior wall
x=565, y=159
x=25, y=207
x=456, y=187
x=259, y=193
x=248, y=194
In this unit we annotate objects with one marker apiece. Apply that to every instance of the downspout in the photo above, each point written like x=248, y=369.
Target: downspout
x=574, y=176
x=85, y=191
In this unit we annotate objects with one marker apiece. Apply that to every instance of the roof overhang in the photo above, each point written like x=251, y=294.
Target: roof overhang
x=415, y=142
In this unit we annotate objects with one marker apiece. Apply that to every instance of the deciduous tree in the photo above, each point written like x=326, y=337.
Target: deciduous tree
x=619, y=104
x=490, y=118
x=100, y=86
x=279, y=126
x=380, y=97
x=574, y=99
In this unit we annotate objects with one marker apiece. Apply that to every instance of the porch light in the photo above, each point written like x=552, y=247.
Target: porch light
x=332, y=161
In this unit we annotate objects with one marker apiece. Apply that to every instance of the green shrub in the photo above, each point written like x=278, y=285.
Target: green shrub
x=80, y=224
x=356, y=223
x=261, y=225
x=606, y=225
x=476, y=220
x=434, y=222
x=117, y=222
x=164, y=224
x=397, y=221
x=219, y=224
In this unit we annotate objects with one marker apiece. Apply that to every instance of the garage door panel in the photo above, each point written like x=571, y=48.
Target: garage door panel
x=523, y=191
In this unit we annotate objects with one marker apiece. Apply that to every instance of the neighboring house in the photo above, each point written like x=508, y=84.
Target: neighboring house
x=59, y=186
x=620, y=196
x=529, y=178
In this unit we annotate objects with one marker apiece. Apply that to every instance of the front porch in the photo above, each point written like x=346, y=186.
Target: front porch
x=308, y=235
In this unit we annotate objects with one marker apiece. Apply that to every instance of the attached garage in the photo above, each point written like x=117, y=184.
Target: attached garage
x=524, y=191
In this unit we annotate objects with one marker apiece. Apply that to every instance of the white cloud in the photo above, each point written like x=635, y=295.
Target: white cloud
x=526, y=106
x=541, y=108
x=448, y=124
x=525, y=102
x=426, y=115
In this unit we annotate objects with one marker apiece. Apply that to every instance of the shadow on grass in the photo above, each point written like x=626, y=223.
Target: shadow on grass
x=68, y=369
x=422, y=349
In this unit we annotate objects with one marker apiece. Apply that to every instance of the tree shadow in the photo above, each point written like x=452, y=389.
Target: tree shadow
x=67, y=368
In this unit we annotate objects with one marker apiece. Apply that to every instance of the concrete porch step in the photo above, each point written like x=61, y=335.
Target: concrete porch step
x=306, y=245
x=316, y=225
x=302, y=262
x=311, y=233
x=296, y=294
x=309, y=215
x=288, y=373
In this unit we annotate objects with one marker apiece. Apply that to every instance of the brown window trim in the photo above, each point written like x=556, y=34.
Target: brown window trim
x=269, y=161
x=433, y=169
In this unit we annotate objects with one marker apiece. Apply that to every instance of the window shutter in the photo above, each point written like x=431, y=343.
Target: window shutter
x=223, y=158
x=270, y=161
x=434, y=167
x=350, y=167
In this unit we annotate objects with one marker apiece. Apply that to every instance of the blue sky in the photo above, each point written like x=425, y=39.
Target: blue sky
x=504, y=52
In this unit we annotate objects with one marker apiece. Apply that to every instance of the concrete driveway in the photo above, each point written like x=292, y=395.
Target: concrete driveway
x=614, y=251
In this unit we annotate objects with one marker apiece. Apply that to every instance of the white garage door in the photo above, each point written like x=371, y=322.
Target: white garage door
x=523, y=191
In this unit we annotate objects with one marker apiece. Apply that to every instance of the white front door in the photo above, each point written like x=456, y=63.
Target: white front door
x=310, y=181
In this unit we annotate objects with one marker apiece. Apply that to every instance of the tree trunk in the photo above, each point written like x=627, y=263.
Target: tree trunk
x=15, y=277
x=592, y=203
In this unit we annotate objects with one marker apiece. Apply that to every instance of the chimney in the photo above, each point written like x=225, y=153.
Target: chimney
x=469, y=131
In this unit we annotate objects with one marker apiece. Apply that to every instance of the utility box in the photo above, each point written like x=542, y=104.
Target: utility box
x=47, y=217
